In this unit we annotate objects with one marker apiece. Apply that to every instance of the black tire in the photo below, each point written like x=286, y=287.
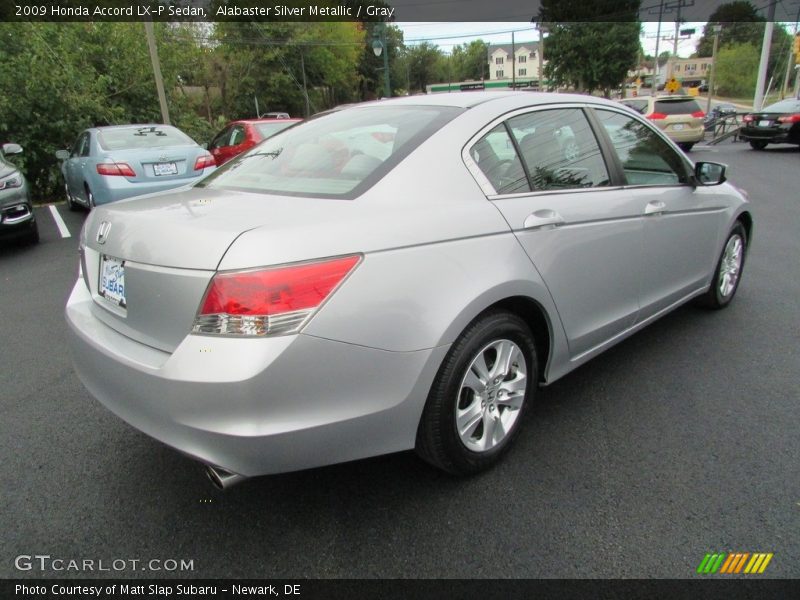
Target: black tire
x=758, y=144
x=714, y=298
x=32, y=237
x=89, y=199
x=438, y=440
x=686, y=146
x=70, y=202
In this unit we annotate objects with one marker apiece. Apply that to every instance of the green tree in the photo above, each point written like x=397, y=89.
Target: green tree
x=585, y=52
x=737, y=69
x=740, y=23
x=426, y=65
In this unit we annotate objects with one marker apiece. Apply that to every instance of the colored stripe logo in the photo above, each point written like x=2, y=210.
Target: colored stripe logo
x=732, y=563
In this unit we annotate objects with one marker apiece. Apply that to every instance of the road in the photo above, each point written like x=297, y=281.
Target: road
x=680, y=441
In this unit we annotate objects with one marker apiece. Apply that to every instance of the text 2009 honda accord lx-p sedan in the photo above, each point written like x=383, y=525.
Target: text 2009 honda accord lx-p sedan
x=395, y=275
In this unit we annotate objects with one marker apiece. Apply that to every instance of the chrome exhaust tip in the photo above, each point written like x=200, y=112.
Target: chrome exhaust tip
x=222, y=479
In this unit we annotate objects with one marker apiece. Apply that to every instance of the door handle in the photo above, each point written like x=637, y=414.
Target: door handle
x=656, y=207
x=543, y=218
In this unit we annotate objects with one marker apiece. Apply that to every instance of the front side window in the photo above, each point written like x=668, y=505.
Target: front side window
x=336, y=155
x=646, y=158
x=559, y=149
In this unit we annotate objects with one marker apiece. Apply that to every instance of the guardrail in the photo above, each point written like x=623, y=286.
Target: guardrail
x=724, y=127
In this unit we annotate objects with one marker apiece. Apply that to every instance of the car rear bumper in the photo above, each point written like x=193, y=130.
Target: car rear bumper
x=255, y=406
x=774, y=136
x=112, y=189
x=686, y=135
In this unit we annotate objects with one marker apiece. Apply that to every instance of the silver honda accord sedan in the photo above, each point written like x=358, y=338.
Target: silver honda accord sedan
x=395, y=275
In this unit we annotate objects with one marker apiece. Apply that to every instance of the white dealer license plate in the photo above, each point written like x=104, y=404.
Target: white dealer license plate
x=165, y=168
x=763, y=123
x=112, y=280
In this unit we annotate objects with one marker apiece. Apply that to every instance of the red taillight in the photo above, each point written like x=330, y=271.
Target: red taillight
x=204, y=161
x=656, y=116
x=795, y=118
x=123, y=169
x=698, y=114
x=748, y=118
x=269, y=301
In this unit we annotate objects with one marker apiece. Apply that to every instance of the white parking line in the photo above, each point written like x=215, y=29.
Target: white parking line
x=62, y=227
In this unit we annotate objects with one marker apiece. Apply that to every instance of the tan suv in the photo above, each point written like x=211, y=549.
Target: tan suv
x=680, y=117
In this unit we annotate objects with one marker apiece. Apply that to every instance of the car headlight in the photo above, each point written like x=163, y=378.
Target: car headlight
x=14, y=181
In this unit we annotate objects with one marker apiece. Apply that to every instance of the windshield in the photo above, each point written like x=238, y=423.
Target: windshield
x=150, y=136
x=784, y=106
x=338, y=155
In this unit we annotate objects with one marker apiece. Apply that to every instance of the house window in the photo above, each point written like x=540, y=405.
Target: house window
x=499, y=74
x=533, y=55
x=522, y=58
x=704, y=66
x=498, y=60
x=521, y=72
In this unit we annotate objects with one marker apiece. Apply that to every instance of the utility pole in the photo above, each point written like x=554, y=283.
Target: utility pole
x=717, y=29
x=658, y=39
x=151, y=44
x=305, y=88
x=790, y=58
x=513, y=63
x=541, y=57
x=758, y=100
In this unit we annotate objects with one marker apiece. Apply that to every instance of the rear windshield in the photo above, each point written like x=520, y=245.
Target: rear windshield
x=679, y=106
x=269, y=129
x=152, y=136
x=789, y=105
x=336, y=155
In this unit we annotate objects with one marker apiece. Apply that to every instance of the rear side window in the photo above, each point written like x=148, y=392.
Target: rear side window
x=646, y=158
x=151, y=136
x=497, y=158
x=682, y=106
x=266, y=130
x=337, y=155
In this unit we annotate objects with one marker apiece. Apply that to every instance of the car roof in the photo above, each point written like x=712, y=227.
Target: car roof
x=268, y=120
x=131, y=126
x=470, y=99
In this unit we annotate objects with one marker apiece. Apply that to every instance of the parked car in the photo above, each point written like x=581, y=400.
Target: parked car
x=107, y=164
x=17, y=220
x=313, y=302
x=242, y=135
x=680, y=117
x=778, y=123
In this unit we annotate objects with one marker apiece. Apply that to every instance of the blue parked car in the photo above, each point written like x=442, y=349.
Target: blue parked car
x=116, y=162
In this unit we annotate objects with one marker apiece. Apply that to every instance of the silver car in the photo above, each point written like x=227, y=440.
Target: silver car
x=320, y=300
x=17, y=220
x=112, y=163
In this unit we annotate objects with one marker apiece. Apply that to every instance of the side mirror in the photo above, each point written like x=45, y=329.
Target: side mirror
x=9, y=149
x=62, y=154
x=710, y=173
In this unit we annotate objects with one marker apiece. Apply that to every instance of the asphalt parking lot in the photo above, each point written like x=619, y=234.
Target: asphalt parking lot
x=680, y=441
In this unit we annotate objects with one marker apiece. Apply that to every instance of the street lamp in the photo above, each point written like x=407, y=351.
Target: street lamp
x=377, y=48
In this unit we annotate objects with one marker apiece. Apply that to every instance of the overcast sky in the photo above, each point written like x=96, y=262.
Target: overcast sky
x=499, y=33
